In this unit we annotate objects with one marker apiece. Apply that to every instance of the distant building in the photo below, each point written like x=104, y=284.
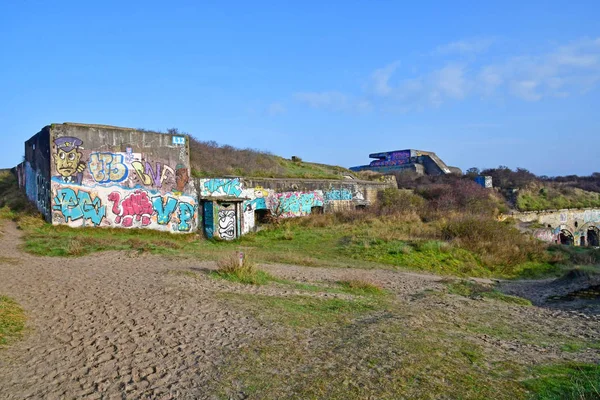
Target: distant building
x=418, y=161
x=484, y=181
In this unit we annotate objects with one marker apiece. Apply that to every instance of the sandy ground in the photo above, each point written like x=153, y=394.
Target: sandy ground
x=118, y=325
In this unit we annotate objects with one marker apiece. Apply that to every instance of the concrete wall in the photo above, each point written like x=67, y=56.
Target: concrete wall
x=407, y=160
x=34, y=173
x=579, y=224
x=234, y=204
x=107, y=176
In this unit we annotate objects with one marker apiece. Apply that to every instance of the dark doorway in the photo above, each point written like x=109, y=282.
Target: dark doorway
x=262, y=216
x=566, y=238
x=316, y=210
x=592, y=237
x=582, y=241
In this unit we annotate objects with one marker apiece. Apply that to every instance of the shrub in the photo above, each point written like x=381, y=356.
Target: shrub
x=241, y=269
x=399, y=201
x=500, y=245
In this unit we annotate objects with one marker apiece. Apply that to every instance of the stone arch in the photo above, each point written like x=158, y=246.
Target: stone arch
x=593, y=236
x=566, y=237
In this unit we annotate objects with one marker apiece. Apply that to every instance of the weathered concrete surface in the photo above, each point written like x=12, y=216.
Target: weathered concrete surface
x=418, y=161
x=581, y=225
x=232, y=206
x=98, y=175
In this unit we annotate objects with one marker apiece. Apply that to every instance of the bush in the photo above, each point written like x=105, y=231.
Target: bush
x=501, y=247
x=399, y=201
x=462, y=196
x=241, y=269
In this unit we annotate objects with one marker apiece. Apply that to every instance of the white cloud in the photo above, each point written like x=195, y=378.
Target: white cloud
x=563, y=71
x=332, y=100
x=275, y=109
x=450, y=81
x=469, y=46
x=381, y=77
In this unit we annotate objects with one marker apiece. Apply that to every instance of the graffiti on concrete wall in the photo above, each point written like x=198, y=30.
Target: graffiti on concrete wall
x=227, y=224
x=79, y=205
x=119, y=189
x=153, y=176
x=37, y=188
x=108, y=167
x=221, y=187
x=182, y=177
x=294, y=204
x=135, y=207
x=391, y=158
x=338, y=194
x=165, y=208
x=43, y=194
x=67, y=159
x=546, y=235
x=590, y=216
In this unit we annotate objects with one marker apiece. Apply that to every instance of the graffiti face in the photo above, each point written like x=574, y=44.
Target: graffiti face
x=68, y=159
x=181, y=177
x=67, y=162
x=227, y=224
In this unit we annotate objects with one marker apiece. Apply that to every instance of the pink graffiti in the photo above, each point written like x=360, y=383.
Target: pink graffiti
x=546, y=235
x=136, y=205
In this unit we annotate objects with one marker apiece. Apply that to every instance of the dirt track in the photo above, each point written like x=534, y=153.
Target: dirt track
x=119, y=325
x=110, y=326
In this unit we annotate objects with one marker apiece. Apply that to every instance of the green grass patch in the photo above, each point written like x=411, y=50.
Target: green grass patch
x=361, y=288
x=302, y=311
x=554, y=198
x=574, y=381
x=371, y=354
x=256, y=278
x=475, y=290
x=12, y=321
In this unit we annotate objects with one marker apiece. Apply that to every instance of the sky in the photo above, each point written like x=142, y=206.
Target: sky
x=499, y=83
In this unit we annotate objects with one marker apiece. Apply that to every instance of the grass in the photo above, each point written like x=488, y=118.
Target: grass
x=12, y=321
x=568, y=381
x=370, y=347
x=350, y=349
x=556, y=198
x=368, y=244
x=302, y=311
x=238, y=267
x=475, y=290
x=361, y=287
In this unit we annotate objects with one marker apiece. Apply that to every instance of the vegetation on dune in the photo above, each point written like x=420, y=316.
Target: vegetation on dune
x=364, y=347
x=545, y=197
x=569, y=381
x=209, y=159
x=519, y=188
x=441, y=228
x=12, y=321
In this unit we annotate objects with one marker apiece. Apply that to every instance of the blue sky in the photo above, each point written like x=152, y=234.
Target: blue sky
x=481, y=85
